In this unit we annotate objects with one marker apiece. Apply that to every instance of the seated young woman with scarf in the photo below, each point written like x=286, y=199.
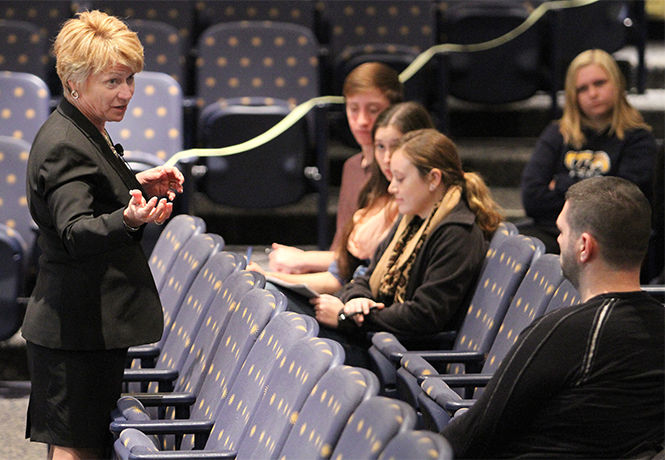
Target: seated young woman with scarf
x=423, y=273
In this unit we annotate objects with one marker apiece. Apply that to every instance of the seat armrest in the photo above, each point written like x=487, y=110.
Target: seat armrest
x=165, y=399
x=148, y=355
x=150, y=375
x=453, y=406
x=389, y=346
x=446, y=356
x=164, y=426
x=140, y=454
x=165, y=377
x=461, y=380
x=143, y=351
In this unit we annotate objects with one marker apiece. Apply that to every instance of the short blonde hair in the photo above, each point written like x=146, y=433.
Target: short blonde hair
x=93, y=42
x=624, y=116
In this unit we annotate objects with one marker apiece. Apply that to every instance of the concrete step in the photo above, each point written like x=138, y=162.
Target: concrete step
x=499, y=161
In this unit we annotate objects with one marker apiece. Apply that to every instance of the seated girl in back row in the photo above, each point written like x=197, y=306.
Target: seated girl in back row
x=368, y=90
x=423, y=273
x=376, y=212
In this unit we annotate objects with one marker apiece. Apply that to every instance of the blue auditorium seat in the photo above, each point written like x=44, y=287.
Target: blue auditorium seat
x=386, y=349
x=418, y=444
x=371, y=426
x=326, y=411
x=24, y=104
x=175, y=234
x=12, y=276
x=258, y=430
x=154, y=120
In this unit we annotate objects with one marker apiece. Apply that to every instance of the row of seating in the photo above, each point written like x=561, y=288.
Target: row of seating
x=230, y=384
x=238, y=376
x=518, y=284
x=344, y=33
x=17, y=234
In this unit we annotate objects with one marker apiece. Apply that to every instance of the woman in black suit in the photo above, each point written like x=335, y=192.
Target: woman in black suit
x=94, y=294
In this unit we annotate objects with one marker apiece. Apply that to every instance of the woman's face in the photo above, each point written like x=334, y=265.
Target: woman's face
x=385, y=141
x=595, y=93
x=361, y=111
x=411, y=190
x=105, y=95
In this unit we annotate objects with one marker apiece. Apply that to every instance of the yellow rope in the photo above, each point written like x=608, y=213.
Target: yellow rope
x=535, y=15
x=285, y=123
x=423, y=58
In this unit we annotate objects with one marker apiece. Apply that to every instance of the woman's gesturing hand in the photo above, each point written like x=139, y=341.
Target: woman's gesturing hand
x=161, y=181
x=139, y=211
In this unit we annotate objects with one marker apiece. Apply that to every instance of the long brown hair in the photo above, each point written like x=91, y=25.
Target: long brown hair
x=624, y=116
x=427, y=149
x=405, y=116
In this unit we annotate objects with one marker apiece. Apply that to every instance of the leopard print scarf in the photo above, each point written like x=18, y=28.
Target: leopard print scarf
x=391, y=274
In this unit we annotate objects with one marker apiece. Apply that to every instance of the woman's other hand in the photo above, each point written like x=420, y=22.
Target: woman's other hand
x=359, y=307
x=139, y=211
x=326, y=309
x=161, y=181
x=286, y=259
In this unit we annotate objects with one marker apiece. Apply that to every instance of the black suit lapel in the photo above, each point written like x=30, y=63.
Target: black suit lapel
x=124, y=172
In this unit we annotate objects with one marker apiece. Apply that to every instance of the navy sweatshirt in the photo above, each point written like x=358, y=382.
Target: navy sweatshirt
x=602, y=155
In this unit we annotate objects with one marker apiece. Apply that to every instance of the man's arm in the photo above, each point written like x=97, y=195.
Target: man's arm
x=536, y=368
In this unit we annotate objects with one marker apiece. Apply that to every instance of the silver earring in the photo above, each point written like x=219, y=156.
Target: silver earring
x=431, y=188
x=75, y=94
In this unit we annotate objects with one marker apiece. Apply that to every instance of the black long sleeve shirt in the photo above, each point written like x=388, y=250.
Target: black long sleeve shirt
x=585, y=381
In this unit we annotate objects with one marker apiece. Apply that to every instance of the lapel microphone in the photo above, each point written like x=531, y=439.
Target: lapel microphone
x=121, y=153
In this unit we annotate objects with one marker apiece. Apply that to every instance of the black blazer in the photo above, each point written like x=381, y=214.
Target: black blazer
x=94, y=288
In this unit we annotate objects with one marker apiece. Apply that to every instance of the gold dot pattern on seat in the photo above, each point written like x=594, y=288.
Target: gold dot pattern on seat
x=279, y=404
x=397, y=22
x=326, y=403
x=13, y=202
x=255, y=62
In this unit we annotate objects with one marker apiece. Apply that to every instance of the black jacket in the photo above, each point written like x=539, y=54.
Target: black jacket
x=94, y=288
x=439, y=286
